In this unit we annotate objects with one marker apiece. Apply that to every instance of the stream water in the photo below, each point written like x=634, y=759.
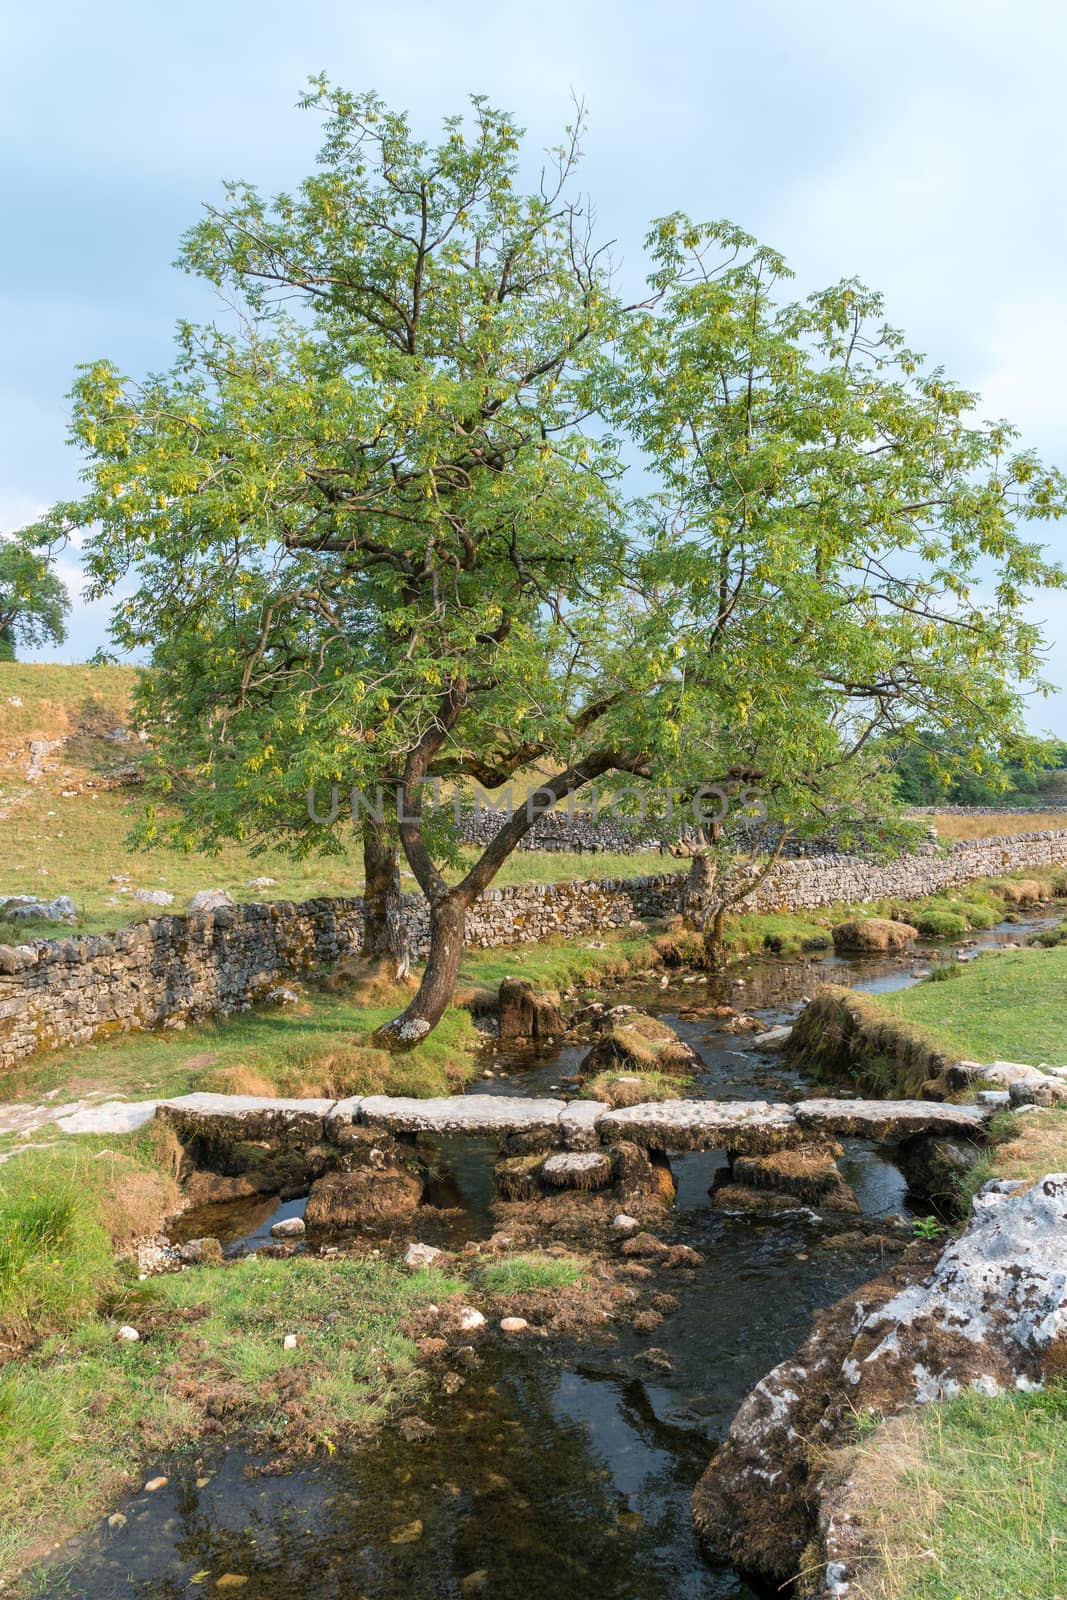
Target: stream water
x=556, y=1471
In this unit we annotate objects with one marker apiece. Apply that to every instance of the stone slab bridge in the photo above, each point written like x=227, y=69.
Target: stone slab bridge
x=742, y=1127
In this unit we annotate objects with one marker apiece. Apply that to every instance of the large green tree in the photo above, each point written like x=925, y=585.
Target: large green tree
x=382, y=532
x=33, y=601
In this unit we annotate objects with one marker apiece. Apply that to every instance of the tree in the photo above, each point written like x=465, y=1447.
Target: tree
x=33, y=601
x=381, y=533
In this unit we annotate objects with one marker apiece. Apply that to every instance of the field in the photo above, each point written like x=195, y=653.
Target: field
x=950, y=827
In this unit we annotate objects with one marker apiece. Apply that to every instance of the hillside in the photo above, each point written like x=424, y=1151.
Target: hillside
x=69, y=794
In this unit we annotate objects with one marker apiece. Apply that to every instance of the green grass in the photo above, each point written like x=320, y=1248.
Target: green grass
x=1005, y=1007
x=977, y=1509
x=519, y=1274
x=561, y=964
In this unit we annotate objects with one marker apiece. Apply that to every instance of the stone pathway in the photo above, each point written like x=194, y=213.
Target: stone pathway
x=743, y=1126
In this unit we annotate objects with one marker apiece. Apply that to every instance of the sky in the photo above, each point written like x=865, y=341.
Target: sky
x=919, y=147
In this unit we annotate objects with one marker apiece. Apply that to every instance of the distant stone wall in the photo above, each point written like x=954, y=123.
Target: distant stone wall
x=831, y=880
x=171, y=969
x=1039, y=810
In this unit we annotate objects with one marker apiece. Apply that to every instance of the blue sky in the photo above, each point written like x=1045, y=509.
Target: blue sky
x=920, y=147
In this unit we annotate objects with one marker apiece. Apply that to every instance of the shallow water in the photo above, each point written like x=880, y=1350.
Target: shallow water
x=557, y=1471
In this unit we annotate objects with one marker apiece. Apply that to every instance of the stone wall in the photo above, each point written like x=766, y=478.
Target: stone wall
x=171, y=969
x=831, y=880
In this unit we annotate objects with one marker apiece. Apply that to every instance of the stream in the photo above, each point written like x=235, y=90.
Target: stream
x=557, y=1470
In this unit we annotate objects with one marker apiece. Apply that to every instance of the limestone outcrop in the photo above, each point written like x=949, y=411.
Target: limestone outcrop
x=989, y=1314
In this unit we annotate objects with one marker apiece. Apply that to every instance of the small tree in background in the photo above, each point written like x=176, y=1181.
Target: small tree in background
x=381, y=529
x=33, y=601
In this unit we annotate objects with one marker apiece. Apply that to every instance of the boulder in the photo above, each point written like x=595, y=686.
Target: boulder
x=365, y=1198
x=808, y=1174
x=153, y=897
x=632, y=1041
x=524, y=1015
x=419, y=1257
x=589, y=1169
x=990, y=1316
x=934, y=1164
x=211, y=900
x=28, y=908
x=1041, y=1090
x=872, y=936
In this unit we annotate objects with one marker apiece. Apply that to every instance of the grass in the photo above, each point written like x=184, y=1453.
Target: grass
x=1007, y=1006
x=320, y=1047
x=968, y=1500
x=520, y=1274
x=618, y=1089
x=949, y=827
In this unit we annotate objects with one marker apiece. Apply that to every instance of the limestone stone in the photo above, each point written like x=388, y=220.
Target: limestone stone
x=469, y=1113
x=589, y=1169
x=747, y=1126
x=888, y=1119
x=578, y=1124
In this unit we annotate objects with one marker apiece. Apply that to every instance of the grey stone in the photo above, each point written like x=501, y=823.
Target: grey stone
x=578, y=1124
x=746, y=1126
x=288, y=1228
x=888, y=1119
x=211, y=900
x=469, y=1113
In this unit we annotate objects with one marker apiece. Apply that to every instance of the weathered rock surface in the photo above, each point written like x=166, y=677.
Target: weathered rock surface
x=808, y=1174
x=747, y=1126
x=468, y=1113
x=988, y=1316
x=888, y=1119
x=366, y=1197
x=211, y=900
x=591, y=1169
x=632, y=1041
x=229, y=1117
x=578, y=1125
x=934, y=1164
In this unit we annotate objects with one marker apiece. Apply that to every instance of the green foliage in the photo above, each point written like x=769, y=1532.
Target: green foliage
x=934, y=767
x=944, y=972
x=33, y=600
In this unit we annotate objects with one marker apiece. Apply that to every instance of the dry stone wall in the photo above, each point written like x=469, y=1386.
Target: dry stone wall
x=173, y=969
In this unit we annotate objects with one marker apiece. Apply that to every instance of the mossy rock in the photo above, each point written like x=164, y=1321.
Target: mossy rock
x=873, y=936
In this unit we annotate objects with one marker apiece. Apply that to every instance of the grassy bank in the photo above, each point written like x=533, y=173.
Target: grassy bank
x=968, y=1501
x=1000, y=1007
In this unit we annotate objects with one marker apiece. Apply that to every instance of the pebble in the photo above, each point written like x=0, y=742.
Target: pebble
x=624, y=1223
x=408, y=1534
x=116, y=1520
x=289, y=1342
x=288, y=1228
x=469, y=1319
x=126, y=1332
x=155, y=1483
x=513, y=1324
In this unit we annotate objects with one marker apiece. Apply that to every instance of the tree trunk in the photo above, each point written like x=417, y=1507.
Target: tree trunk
x=715, y=937
x=448, y=913
x=384, y=934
